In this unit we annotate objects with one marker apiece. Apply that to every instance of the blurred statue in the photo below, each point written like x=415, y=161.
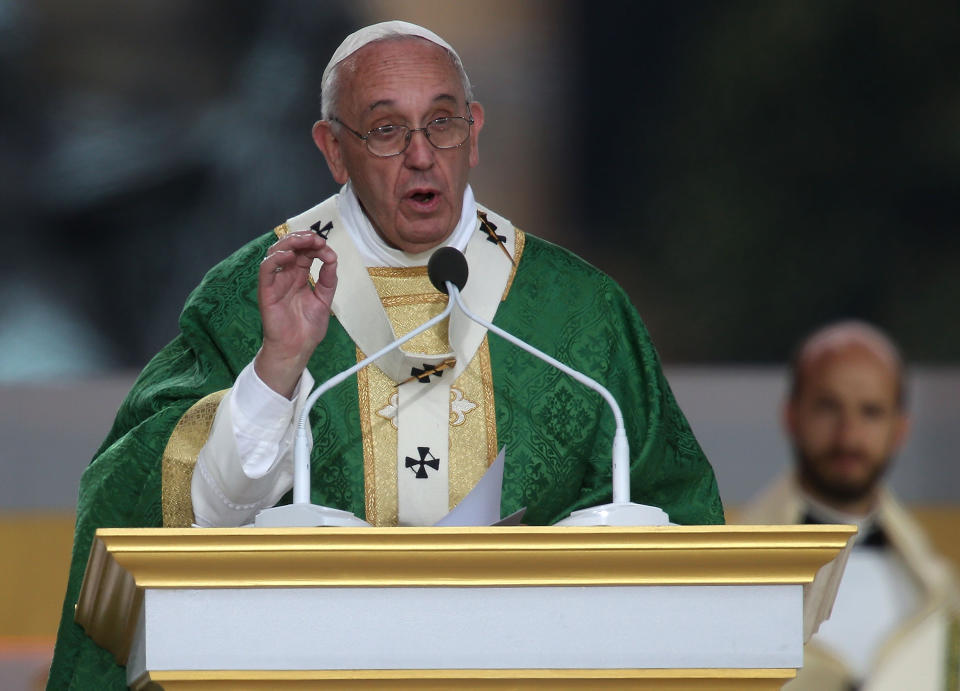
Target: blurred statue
x=895, y=620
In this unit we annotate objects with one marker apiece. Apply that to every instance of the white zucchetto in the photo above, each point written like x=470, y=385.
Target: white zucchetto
x=358, y=39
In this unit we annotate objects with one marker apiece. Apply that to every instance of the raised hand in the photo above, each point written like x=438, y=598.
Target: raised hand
x=295, y=316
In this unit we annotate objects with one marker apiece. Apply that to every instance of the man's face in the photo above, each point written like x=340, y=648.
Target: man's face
x=845, y=423
x=414, y=200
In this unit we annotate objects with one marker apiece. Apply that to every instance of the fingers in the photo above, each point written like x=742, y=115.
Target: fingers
x=327, y=278
x=274, y=264
x=288, y=259
x=300, y=240
x=303, y=242
x=295, y=252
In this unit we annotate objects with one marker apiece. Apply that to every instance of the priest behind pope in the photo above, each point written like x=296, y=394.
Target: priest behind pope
x=895, y=622
x=205, y=435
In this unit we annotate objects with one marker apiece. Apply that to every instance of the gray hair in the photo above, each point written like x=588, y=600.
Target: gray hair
x=330, y=88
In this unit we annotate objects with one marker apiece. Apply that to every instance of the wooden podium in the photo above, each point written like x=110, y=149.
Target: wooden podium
x=718, y=607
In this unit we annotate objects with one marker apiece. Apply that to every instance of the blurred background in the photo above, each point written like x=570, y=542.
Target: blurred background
x=747, y=170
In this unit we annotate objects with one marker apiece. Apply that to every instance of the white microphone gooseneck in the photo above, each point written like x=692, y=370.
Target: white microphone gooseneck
x=621, y=447
x=448, y=272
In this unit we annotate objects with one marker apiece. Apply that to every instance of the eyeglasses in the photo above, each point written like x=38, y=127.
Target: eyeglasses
x=393, y=140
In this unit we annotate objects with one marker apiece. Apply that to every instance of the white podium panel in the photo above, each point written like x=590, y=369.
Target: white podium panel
x=624, y=627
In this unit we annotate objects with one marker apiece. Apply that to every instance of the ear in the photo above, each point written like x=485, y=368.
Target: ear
x=476, y=112
x=328, y=143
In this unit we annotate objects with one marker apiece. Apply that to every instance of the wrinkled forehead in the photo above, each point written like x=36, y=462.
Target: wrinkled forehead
x=386, y=55
x=399, y=73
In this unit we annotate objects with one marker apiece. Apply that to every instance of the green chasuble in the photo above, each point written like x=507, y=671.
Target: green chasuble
x=557, y=433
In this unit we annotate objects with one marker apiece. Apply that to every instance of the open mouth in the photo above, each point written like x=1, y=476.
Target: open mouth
x=424, y=200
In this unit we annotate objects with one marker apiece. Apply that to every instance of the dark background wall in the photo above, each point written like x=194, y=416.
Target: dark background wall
x=776, y=164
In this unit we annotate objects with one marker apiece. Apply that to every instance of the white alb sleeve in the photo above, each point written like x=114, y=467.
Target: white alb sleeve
x=247, y=463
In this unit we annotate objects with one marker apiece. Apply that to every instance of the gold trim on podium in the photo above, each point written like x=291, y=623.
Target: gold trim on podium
x=432, y=679
x=125, y=561
x=502, y=556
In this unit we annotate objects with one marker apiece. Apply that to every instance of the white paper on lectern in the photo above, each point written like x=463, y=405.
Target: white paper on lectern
x=481, y=506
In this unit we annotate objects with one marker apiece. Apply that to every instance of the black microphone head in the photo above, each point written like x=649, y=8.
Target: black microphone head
x=447, y=264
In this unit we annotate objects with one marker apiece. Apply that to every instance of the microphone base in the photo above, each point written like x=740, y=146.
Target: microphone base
x=617, y=515
x=307, y=516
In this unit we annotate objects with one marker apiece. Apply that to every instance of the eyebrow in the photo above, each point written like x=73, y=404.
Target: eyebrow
x=387, y=103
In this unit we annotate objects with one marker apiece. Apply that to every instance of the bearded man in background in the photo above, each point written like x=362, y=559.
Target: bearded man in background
x=895, y=619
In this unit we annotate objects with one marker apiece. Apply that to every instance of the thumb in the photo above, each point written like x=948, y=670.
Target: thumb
x=326, y=283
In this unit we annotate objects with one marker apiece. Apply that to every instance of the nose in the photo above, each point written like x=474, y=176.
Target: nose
x=849, y=431
x=419, y=152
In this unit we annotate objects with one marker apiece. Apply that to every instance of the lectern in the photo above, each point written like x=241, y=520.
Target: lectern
x=678, y=607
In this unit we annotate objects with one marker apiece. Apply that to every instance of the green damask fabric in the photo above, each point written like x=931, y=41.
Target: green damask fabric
x=557, y=433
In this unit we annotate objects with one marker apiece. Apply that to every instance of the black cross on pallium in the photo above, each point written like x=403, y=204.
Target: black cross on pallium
x=423, y=375
x=422, y=462
x=490, y=230
x=322, y=232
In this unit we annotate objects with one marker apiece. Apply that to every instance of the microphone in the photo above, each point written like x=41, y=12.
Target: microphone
x=447, y=264
x=448, y=272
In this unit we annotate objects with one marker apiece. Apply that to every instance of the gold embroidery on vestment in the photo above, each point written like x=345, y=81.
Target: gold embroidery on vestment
x=180, y=457
x=396, y=271
x=404, y=300
x=371, y=493
x=488, y=408
x=519, y=239
x=410, y=300
x=281, y=231
x=379, y=448
x=471, y=441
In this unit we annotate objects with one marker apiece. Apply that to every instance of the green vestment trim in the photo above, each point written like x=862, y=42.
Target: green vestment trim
x=557, y=433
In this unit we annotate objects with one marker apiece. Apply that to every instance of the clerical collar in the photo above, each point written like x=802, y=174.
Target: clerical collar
x=870, y=532
x=375, y=252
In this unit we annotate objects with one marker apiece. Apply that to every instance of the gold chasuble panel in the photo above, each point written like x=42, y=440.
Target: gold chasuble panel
x=409, y=300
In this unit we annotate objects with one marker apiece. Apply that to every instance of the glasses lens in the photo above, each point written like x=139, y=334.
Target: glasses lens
x=388, y=140
x=446, y=133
